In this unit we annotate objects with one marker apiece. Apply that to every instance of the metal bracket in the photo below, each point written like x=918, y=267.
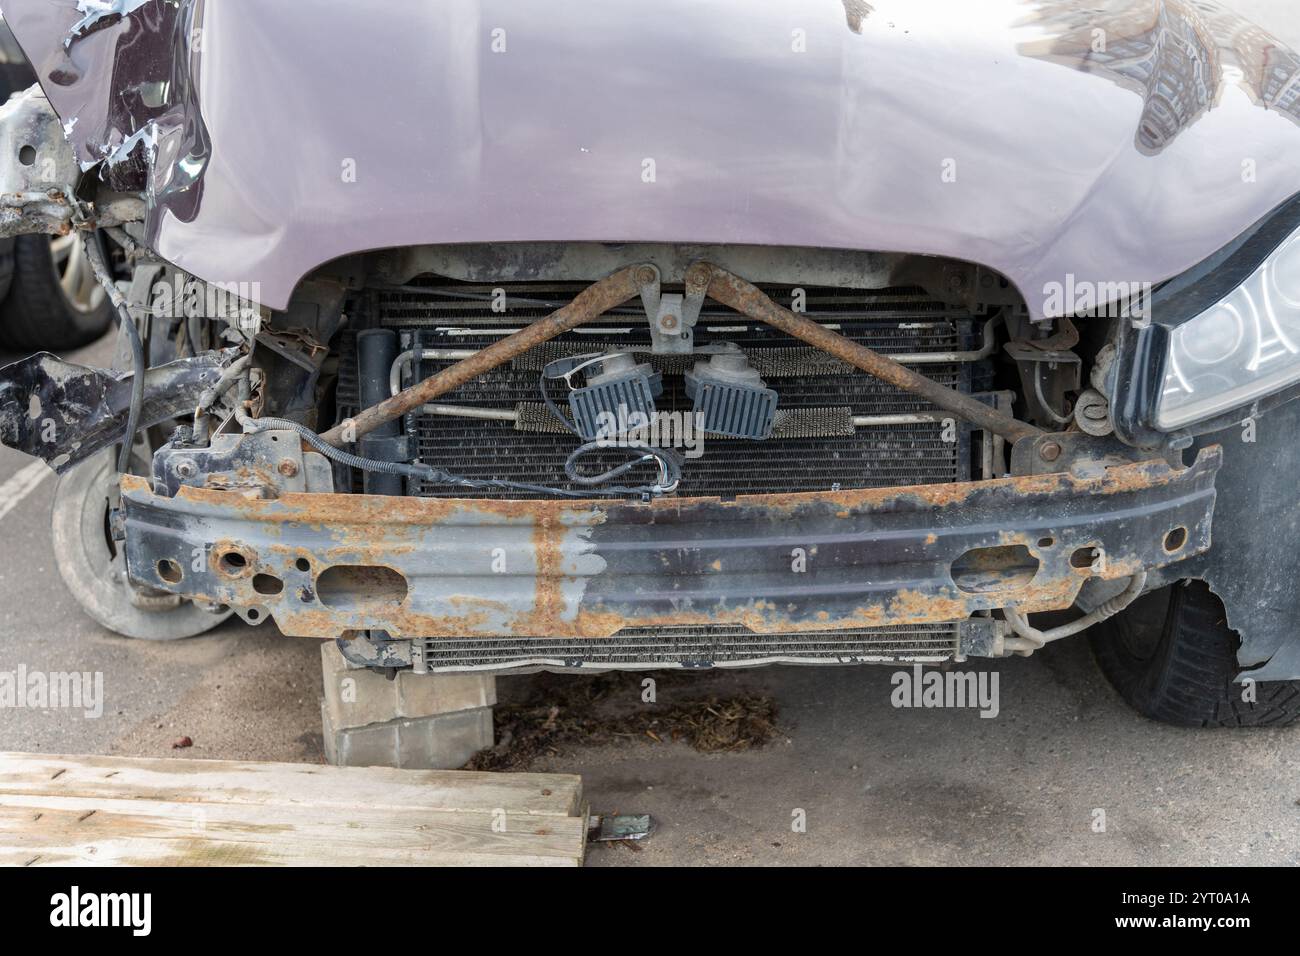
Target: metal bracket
x=1030, y=357
x=37, y=154
x=672, y=315
x=395, y=448
x=37, y=178
x=1075, y=452
x=1027, y=352
x=977, y=637
x=64, y=413
x=269, y=463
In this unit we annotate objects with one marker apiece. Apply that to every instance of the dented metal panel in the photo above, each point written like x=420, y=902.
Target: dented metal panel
x=322, y=565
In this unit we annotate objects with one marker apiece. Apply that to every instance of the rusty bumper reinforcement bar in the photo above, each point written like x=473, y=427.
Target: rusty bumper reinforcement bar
x=322, y=565
x=721, y=286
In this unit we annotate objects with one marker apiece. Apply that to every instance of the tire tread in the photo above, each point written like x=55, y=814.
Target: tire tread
x=35, y=315
x=1190, y=679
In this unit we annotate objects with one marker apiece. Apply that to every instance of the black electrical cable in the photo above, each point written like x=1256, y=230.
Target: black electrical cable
x=670, y=466
x=436, y=475
x=555, y=409
x=137, y=389
x=95, y=255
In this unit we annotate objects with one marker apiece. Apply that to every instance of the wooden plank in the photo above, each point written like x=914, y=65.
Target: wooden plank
x=212, y=781
x=116, y=811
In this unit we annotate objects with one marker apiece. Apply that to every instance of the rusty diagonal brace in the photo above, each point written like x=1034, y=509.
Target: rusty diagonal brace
x=748, y=299
x=591, y=303
x=721, y=286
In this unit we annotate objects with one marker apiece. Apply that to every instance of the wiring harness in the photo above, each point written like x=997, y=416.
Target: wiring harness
x=668, y=480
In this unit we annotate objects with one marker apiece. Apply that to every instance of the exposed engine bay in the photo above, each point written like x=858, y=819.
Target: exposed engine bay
x=830, y=426
x=564, y=376
x=666, y=466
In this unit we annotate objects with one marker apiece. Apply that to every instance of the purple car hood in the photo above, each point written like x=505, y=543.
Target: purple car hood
x=1108, y=141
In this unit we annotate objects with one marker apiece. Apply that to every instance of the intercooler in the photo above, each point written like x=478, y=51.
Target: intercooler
x=837, y=429
x=700, y=647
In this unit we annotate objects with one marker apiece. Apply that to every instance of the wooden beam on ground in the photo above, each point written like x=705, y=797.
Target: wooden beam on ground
x=116, y=811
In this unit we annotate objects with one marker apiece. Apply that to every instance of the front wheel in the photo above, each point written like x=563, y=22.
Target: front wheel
x=54, y=301
x=93, y=565
x=1172, y=656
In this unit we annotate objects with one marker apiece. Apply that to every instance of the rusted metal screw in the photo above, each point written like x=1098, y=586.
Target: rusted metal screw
x=669, y=321
x=288, y=467
x=186, y=468
x=698, y=276
x=645, y=276
x=1050, y=451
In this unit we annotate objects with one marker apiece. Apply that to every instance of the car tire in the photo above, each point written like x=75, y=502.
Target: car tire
x=1172, y=656
x=94, y=569
x=54, y=302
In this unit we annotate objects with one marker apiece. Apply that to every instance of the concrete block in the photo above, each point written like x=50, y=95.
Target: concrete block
x=357, y=697
x=442, y=742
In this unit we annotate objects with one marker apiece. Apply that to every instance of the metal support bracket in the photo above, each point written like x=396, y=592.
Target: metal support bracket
x=702, y=279
x=672, y=315
x=268, y=464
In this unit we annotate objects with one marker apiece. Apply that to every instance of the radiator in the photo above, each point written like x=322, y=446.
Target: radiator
x=460, y=316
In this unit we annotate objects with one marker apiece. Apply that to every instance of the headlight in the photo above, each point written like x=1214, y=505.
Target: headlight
x=1245, y=346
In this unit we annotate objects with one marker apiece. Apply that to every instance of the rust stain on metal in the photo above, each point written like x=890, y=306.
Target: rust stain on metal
x=245, y=477
x=376, y=529
x=549, y=604
x=904, y=607
x=337, y=510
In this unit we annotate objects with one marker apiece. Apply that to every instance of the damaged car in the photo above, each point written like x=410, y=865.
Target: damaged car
x=622, y=336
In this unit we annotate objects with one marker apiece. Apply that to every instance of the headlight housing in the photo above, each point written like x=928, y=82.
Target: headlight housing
x=1245, y=346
